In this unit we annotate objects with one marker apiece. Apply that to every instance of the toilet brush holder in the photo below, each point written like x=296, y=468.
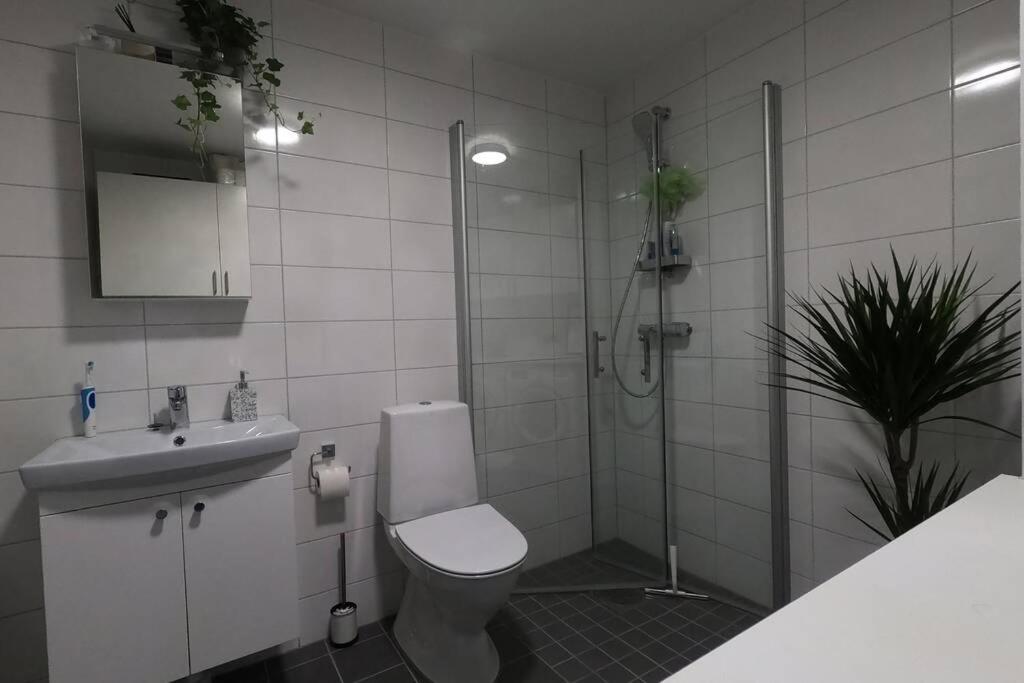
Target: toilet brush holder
x=344, y=626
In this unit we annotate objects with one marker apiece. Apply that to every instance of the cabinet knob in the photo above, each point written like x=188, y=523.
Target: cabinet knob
x=199, y=507
x=161, y=514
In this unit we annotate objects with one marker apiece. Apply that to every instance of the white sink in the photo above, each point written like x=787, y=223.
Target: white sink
x=117, y=455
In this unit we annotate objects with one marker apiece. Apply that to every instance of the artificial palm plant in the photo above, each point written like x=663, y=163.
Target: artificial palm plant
x=898, y=349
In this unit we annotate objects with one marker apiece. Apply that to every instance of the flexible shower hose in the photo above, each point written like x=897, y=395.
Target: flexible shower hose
x=622, y=306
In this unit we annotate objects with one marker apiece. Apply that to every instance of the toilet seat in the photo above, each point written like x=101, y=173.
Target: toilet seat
x=470, y=541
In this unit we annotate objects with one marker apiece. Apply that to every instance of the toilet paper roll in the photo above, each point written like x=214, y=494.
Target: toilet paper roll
x=334, y=481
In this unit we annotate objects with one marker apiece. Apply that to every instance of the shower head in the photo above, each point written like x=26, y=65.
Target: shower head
x=643, y=126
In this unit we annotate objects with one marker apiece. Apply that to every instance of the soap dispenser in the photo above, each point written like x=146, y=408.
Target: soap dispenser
x=243, y=401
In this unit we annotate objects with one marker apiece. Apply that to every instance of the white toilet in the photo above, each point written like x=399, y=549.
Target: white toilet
x=463, y=557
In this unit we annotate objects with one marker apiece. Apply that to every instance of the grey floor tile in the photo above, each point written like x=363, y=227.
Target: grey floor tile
x=398, y=674
x=316, y=671
x=553, y=654
x=572, y=670
x=596, y=659
x=638, y=663
x=528, y=670
x=252, y=673
x=366, y=658
x=293, y=658
x=616, y=673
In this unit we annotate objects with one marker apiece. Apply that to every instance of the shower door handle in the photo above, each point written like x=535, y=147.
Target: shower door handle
x=595, y=360
x=645, y=332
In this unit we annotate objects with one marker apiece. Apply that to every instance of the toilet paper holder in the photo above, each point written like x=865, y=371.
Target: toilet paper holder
x=326, y=453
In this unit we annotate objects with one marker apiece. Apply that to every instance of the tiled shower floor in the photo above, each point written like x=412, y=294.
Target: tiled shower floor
x=553, y=637
x=588, y=568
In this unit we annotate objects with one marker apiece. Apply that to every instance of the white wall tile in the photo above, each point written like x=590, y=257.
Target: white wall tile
x=514, y=254
x=507, y=81
x=502, y=208
x=420, y=198
x=54, y=292
x=738, y=284
x=421, y=295
x=261, y=179
x=42, y=152
x=750, y=27
x=428, y=384
x=40, y=82
x=333, y=187
x=427, y=103
x=264, y=236
x=202, y=354
x=50, y=361
x=858, y=27
x=995, y=248
x=340, y=400
x=985, y=40
x=510, y=123
x=986, y=113
x=517, y=339
x=658, y=78
x=987, y=186
x=339, y=135
x=781, y=60
x=574, y=101
x=412, y=54
x=907, y=201
x=321, y=239
x=336, y=294
x=419, y=246
x=425, y=343
x=915, y=66
x=323, y=78
x=334, y=348
x=910, y=135
x=736, y=185
x=323, y=27
x=417, y=149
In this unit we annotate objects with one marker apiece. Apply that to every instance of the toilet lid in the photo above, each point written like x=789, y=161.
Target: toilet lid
x=469, y=541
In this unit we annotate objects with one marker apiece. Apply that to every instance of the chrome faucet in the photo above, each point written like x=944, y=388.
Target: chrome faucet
x=177, y=405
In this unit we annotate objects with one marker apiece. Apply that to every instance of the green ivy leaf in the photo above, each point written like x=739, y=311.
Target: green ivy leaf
x=274, y=64
x=307, y=128
x=272, y=79
x=182, y=102
x=301, y=115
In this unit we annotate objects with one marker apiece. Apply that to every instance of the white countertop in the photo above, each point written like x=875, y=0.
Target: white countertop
x=945, y=602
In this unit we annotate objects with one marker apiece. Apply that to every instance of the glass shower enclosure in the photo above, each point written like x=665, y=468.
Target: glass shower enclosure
x=611, y=347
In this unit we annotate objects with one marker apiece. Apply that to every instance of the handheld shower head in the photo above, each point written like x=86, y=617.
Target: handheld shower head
x=643, y=126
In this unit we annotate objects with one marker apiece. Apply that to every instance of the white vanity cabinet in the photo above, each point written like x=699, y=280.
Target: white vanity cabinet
x=153, y=589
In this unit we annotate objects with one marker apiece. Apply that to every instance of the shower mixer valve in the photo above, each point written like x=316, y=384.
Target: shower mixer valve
x=674, y=330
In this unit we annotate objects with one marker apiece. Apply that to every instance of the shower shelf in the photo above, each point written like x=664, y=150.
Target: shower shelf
x=668, y=264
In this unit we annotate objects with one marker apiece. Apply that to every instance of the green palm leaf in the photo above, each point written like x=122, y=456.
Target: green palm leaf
x=898, y=347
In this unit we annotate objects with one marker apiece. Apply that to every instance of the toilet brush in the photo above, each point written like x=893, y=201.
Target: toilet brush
x=344, y=629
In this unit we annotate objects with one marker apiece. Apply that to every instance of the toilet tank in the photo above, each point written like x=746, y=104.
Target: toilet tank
x=425, y=461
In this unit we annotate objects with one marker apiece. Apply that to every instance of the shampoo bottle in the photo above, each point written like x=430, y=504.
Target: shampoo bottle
x=89, y=402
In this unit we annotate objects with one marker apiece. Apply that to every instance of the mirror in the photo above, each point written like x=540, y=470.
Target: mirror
x=163, y=220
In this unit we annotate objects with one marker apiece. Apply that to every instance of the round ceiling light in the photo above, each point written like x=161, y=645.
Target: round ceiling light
x=489, y=154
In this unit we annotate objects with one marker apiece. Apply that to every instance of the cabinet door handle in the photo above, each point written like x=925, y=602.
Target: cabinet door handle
x=199, y=507
x=213, y=277
x=161, y=514
x=226, y=283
